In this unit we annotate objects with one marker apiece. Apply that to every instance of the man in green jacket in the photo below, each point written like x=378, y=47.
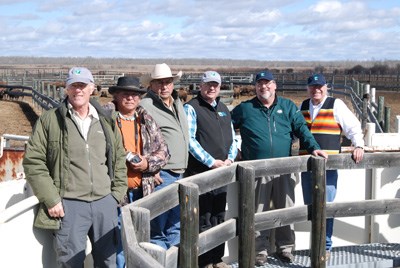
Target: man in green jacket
x=75, y=163
x=267, y=126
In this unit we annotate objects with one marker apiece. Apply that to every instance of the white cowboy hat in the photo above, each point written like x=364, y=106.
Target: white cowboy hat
x=160, y=71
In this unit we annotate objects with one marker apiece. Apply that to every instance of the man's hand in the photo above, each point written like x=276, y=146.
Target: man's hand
x=228, y=162
x=358, y=154
x=218, y=163
x=157, y=179
x=141, y=166
x=57, y=211
x=320, y=153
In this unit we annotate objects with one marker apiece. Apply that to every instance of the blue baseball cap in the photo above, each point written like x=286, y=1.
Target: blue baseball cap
x=266, y=75
x=316, y=79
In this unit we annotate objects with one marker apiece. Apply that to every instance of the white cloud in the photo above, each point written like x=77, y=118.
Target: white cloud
x=278, y=30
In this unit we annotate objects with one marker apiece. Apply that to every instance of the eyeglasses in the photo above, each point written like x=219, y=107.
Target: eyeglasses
x=130, y=94
x=211, y=84
x=264, y=82
x=163, y=82
x=78, y=85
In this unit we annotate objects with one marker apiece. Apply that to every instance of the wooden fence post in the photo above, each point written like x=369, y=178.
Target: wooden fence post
x=318, y=212
x=189, y=243
x=387, y=120
x=61, y=93
x=42, y=87
x=246, y=231
x=48, y=91
x=364, y=120
x=358, y=88
x=381, y=101
x=54, y=92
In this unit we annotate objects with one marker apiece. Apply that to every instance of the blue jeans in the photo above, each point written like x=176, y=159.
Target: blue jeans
x=133, y=195
x=331, y=185
x=165, y=229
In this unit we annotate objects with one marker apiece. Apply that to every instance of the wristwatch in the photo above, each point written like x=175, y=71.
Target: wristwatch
x=360, y=147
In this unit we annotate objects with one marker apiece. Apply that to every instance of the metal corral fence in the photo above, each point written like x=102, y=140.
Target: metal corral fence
x=46, y=93
x=136, y=216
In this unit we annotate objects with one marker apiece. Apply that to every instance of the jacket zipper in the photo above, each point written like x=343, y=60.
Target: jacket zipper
x=270, y=133
x=90, y=168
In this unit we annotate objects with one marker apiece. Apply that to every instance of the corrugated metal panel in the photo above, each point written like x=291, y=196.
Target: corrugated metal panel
x=11, y=164
x=375, y=255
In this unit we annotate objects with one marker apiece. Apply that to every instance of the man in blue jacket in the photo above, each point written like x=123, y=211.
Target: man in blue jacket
x=267, y=126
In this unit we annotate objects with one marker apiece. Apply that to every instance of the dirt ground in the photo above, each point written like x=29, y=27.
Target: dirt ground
x=18, y=117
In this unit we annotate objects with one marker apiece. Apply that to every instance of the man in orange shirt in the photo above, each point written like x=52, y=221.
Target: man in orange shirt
x=144, y=144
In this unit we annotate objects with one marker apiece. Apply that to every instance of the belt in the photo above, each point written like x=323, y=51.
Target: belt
x=134, y=189
x=177, y=170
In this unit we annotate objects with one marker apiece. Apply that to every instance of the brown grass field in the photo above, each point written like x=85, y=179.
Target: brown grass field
x=18, y=117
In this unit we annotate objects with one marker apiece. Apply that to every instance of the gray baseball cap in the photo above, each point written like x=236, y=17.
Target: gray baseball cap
x=79, y=75
x=211, y=76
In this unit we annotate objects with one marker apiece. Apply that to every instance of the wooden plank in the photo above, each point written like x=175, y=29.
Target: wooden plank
x=370, y=160
x=140, y=259
x=281, y=217
x=246, y=231
x=189, y=202
x=213, y=179
x=160, y=201
x=172, y=257
x=128, y=234
x=217, y=235
x=141, y=223
x=283, y=165
x=154, y=252
x=363, y=208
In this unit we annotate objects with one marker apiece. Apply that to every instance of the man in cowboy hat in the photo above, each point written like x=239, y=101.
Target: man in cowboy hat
x=144, y=144
x=163, y=103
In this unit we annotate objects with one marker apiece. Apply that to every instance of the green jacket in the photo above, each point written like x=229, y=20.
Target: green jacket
x=268, y=132
x=46, y=162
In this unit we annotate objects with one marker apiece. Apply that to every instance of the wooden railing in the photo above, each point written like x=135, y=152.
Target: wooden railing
x=136, y=216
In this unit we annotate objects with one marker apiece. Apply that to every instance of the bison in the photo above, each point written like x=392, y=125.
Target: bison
x=183, y=94
x=236, y=92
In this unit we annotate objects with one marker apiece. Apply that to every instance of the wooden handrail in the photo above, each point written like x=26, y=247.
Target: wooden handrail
x=244, y=174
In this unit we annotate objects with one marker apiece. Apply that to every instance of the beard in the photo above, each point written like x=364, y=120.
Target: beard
x=266, y=95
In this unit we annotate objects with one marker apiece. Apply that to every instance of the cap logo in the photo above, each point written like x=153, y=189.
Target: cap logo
x=315, y=78
x=77, y=71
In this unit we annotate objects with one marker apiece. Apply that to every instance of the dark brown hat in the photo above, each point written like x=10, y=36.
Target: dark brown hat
x=127, y=83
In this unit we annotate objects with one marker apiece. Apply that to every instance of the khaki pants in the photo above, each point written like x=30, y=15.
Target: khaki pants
x=274, y=192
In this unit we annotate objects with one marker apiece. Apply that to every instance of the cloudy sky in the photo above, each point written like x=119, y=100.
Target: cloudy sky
x=229, y=29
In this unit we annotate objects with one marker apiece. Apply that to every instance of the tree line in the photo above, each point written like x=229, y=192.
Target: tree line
x=199, y=64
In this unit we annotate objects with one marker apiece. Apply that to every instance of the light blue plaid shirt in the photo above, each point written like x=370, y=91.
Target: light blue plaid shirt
x=194, y=146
